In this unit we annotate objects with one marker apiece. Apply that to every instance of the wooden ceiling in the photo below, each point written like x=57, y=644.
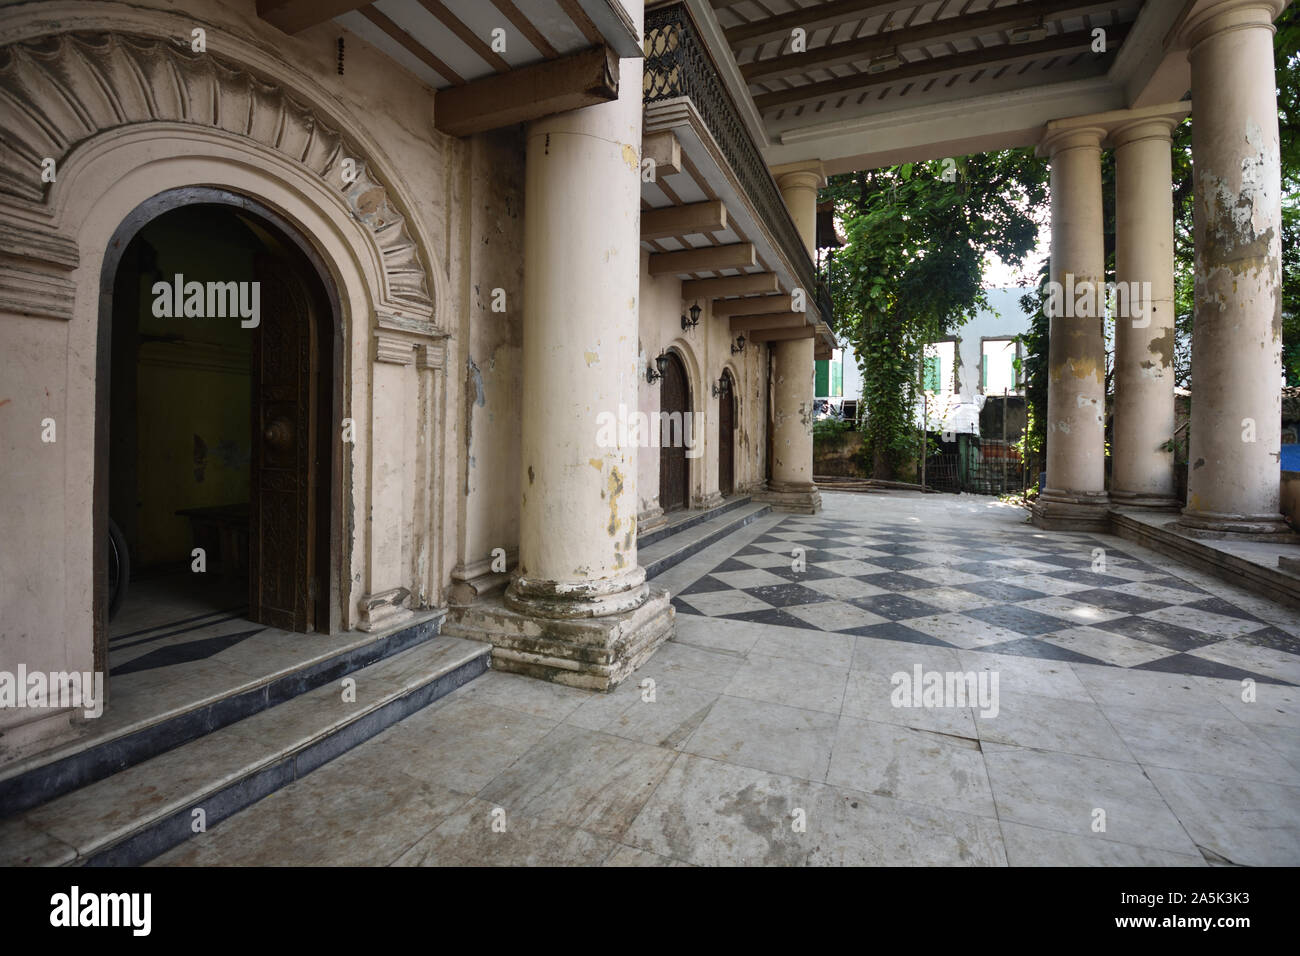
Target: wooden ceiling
x=493, y=62
x=863, y=57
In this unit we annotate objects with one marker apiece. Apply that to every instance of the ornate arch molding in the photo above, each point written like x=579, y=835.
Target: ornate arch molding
x=61, y=90
x=694, y=370
x=729, y=367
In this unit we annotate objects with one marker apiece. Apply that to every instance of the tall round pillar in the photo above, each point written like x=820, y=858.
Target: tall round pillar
x=1233, y=471
x=1142, y=466
x=1075, y=494
x=577, y=547
x=794, y=369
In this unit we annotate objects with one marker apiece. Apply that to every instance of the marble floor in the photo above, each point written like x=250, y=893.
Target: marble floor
x=181, y=640
x=1145, y=714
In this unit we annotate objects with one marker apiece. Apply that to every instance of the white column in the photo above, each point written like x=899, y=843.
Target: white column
x=1142, y=470
x=1075, y=495
x=791, y=487
x=1233, y=473
x=577, y=548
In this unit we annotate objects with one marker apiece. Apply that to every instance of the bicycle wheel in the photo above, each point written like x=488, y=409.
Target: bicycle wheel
x=119, y=568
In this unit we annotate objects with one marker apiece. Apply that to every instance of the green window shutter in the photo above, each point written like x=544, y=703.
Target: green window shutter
x=984, y=372
x=822, y=385
x=837, y=380
x=931, y=380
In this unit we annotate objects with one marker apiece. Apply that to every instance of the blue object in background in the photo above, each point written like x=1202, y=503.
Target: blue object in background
x=1291, y=457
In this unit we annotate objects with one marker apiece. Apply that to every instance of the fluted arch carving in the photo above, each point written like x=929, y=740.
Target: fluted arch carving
x=61, y=90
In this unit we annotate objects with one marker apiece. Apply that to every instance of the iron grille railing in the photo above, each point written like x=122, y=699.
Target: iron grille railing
x=677, y=64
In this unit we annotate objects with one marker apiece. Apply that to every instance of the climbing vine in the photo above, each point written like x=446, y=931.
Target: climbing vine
x=911, y=272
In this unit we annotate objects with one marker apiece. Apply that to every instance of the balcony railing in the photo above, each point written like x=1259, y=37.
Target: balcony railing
x=676, y=64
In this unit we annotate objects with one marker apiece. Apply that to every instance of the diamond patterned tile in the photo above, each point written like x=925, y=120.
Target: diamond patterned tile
x=1171, y=636
x=1002, y=591
x=748, y=578
x=894, y=607
x=896, y=581
x=786, y=594
x=1016, y=618
x=1032, y=595
x=1107, y=646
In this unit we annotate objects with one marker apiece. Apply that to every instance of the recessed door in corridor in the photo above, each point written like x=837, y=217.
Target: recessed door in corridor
x=675, y=406
x=216, y=461
x=727, y=435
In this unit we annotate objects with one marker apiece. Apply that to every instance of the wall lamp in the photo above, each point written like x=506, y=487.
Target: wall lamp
x=722, y=387
x=738, y=346
x=694, y=320
x=654, y=373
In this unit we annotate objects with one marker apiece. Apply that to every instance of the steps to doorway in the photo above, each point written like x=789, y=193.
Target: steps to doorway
x=694, y=531
x=1257, y=566
x=132, y=815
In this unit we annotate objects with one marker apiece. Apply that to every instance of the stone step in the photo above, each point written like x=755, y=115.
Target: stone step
x=110, y=747
x=666, y=552
x=132, y=816
x=682, y=520
x=1258, y=566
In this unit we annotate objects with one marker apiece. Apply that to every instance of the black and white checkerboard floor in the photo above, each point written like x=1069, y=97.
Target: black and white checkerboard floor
x=1075, y=598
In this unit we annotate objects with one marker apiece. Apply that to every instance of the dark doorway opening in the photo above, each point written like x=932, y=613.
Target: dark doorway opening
x=216, y=411
x=727, y=435
x=675, y=411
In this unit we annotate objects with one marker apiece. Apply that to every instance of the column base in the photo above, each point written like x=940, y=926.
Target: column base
x=1071, y=511
x=595, y=653
x=711, y=500
x=1139, y=499
x=569, y=600
x=1238, y=527
x=793, y=497
x=476, y=580
x=382, y=610
x=651, y=520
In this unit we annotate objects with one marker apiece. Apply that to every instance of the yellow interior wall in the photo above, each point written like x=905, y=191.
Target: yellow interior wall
x=179, y=402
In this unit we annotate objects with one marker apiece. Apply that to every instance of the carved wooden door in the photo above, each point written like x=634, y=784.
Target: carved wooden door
x=674, y=397
x=727, y=436
x=281, y=533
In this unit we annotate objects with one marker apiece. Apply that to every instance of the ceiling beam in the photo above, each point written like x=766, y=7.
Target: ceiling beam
x=528, y=93
x=811, y=18
x=294, y=16
x=878, y=44
x=664, y=151
x=692, y=219
x=467, y=36
x=737, y=255
x=753, y=305
x=783, y=335
x=779, y=320
x=525, y=26
x=411, y=45
x=1077, y=42
x=759, y=282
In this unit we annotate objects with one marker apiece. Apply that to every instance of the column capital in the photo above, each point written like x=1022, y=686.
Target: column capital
x=1063, y=135
x=811, y=174
x=1148, y=127
x=1213, y=17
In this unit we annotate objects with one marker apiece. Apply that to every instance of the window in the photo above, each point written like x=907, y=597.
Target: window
x=933, y=376
x=998, y=366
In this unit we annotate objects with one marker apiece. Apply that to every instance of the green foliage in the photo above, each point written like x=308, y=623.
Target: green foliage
x=912, y=269
x=829, y=433
x=1033, y=369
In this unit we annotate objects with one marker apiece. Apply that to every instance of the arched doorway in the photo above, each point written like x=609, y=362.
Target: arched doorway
x=675, y=412
x=727, y=435
x=217, y=358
